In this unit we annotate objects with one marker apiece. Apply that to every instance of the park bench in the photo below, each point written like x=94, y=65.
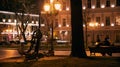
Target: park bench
x=104, y=49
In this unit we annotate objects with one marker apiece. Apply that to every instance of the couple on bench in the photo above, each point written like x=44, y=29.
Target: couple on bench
x=104, y=43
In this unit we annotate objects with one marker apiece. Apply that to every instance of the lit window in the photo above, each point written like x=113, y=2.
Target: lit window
x=118, y=20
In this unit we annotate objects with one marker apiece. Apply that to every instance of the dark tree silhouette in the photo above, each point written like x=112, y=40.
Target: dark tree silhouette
x=78, y=49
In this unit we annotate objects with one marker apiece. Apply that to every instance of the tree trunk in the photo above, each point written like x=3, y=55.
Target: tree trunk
x=78, y=49
x=23, y=35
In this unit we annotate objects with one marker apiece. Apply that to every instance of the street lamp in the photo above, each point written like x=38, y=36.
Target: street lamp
x=52, y=9
x=93, y=25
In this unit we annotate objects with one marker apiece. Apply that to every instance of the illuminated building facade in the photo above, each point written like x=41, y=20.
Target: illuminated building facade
x=102, y=18
x=62, y=23
x=8, y=27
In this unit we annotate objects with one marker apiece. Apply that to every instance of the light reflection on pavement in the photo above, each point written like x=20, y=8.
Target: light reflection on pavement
x=8, y=53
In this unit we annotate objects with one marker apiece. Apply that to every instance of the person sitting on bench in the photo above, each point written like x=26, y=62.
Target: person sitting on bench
x=107, y=43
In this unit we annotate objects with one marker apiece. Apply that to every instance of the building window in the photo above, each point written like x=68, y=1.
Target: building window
x=1, y=19
x=117, y=2
x=4, y=16
x=64, y=22
x=107, y=3
x=98, y=19
x=56, y=22
x=88, y=19
x=98, y=3
x=64, y=5
x=107, y=21
x=118, y=20
x=117, y=38
x=89, y=4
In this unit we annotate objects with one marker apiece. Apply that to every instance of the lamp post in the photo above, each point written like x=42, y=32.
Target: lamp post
x=86, y=40
x=52, y=9
x=93, y=25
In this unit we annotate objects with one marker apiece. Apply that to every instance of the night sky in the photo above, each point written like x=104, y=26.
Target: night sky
x=4, y=5
x=13, y=5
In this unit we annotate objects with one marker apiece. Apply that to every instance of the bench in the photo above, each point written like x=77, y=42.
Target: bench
x=104, y=49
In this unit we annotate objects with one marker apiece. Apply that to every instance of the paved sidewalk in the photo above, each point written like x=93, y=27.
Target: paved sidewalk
x=58, y=55
x=21, y=59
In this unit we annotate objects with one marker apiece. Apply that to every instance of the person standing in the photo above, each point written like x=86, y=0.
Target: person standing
x=36, y=37
x=37, y=41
